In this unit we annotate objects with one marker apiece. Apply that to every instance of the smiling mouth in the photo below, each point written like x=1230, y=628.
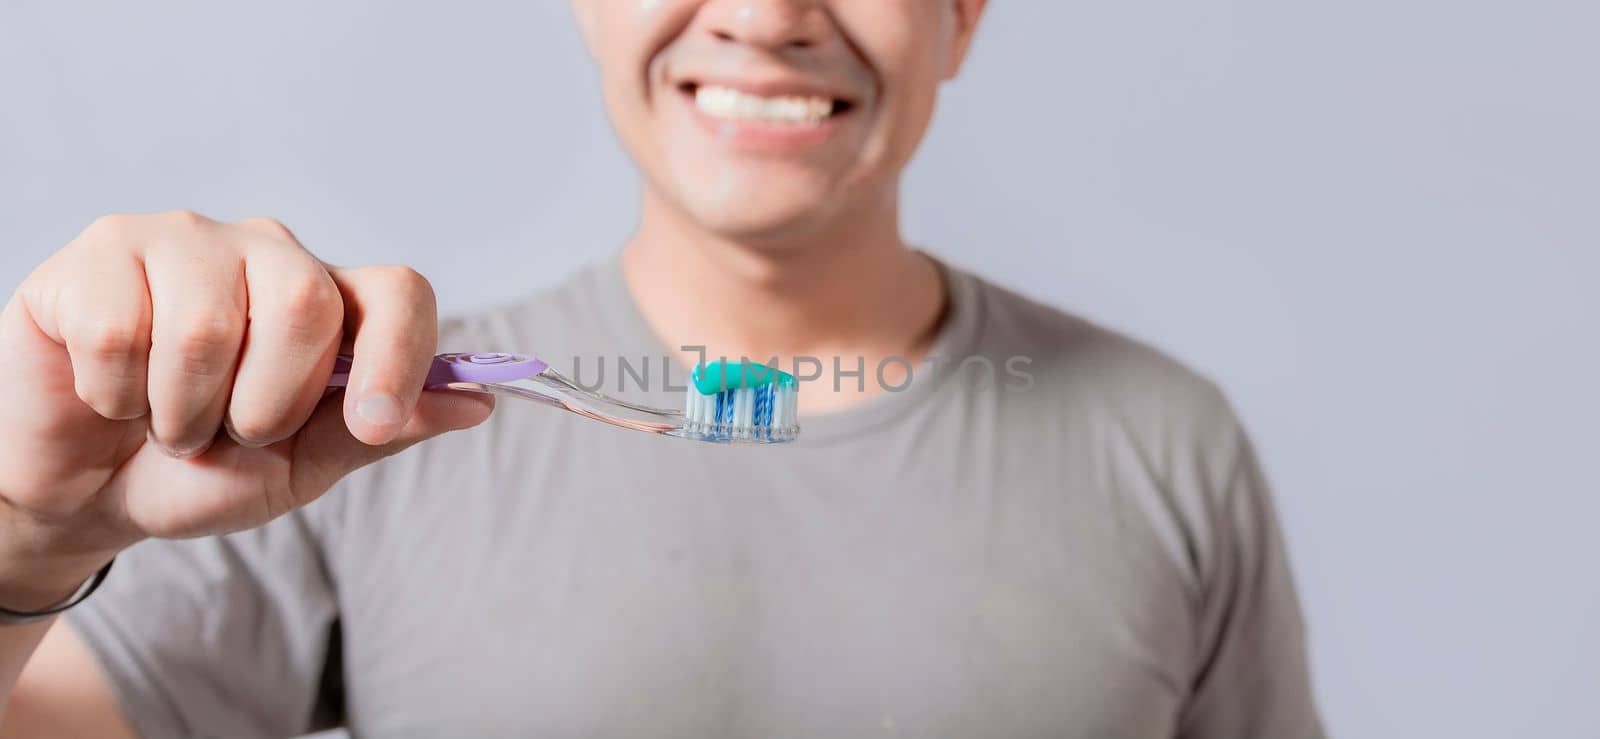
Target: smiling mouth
x=730, y=104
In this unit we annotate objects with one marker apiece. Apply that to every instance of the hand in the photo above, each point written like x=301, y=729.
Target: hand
x=164, y=376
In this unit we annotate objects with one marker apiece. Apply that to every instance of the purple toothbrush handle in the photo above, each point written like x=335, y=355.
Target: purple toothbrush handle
x=448, y=368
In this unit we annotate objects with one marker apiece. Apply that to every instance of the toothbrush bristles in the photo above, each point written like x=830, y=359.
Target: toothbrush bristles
x=743, y=414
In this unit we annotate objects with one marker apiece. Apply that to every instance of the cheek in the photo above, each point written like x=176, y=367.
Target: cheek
x=903, y=42
x=625, y=38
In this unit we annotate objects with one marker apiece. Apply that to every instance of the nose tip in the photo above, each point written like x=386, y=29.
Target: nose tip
x=773, y=24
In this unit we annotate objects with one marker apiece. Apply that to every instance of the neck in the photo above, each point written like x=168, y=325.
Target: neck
x=854, y=291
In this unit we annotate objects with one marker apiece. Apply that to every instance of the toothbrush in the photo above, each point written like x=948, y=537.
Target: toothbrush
x=725, y=403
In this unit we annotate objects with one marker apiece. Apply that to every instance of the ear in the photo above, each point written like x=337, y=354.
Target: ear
x=584, y=11
x=967, y=14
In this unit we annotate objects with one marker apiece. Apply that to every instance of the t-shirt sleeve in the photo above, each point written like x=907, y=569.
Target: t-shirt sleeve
x=1252, y=676
x=216, y=637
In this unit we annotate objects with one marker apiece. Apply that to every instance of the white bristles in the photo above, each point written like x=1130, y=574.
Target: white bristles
x=743, y=399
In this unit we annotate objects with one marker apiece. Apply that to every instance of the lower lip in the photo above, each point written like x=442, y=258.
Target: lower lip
x=747, y=134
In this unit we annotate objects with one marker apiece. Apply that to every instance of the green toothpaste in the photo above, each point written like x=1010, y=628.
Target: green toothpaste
x=721, y=376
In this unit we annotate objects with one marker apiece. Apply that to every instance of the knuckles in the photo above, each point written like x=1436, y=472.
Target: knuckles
x=110, y=224
x=182, y=220
x=206, y=344
x=267, y=226
x=123, y=230
x=311, y=301
x=175, y=225
x=400, y=280
x=115, y=342
x=399, y=277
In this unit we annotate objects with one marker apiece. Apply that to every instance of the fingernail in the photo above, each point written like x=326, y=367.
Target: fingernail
x=191, y=452
x=187, y=453
x=227, y=424
x=379, y=410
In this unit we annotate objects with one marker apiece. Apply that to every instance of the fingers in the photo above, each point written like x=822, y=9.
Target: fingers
x=104, y=320
x=201, y=325
x=392, y=313
x=296, y=319
x=198, y=308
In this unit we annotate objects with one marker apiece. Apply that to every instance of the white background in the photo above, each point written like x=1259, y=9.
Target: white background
x=1377, y=224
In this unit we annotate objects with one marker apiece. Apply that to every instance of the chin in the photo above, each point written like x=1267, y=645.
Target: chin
x=763, y=209
x=764, y=221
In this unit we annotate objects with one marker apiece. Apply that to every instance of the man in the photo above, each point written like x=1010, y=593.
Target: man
x=1062, y=533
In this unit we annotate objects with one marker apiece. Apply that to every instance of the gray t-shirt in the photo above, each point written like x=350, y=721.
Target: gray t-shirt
x=1069, y=537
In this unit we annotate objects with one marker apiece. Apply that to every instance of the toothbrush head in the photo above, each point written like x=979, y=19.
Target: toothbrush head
x=740, y=402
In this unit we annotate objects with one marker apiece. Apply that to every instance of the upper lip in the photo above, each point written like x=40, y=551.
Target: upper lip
x=767, y=86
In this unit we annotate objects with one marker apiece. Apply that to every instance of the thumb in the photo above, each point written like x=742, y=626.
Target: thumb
x=326, y=451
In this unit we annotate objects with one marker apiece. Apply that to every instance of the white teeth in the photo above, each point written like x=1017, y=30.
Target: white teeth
x=728, y=103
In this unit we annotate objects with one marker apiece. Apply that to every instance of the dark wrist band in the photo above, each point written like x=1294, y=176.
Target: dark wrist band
x=9, y=617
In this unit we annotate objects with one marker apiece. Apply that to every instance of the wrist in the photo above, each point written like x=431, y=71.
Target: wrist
x=40, y=566
x=40, y=586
